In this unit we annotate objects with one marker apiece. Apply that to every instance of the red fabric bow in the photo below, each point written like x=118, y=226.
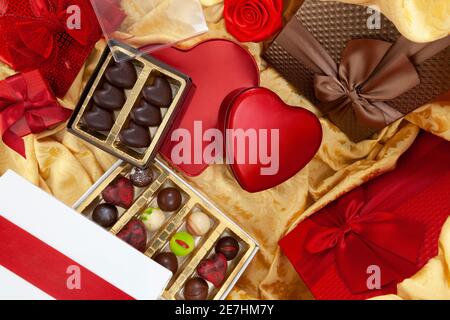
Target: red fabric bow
x=35, y=34
x=27, y=106
x=39, y=33
x=393, y=222
x=358, y=238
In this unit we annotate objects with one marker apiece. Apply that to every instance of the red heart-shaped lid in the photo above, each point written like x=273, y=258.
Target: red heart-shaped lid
x=217, y=67
x=280, y=139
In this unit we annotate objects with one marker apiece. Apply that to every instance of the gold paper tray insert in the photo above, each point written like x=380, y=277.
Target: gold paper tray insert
x=160, y=239
x=133, y=96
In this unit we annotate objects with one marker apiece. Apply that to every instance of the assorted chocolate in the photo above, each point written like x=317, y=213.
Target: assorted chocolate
x=169, y=199
x=99, y=119
x=198, y=223
x=105, y=215
x=135, y=234
x=159, y=93
x=153, y=218
x=124, y=108
x=146, y=114
x=121, y=74
x=141, y=177
x=135, y=136
x=182, y=244
x=196, y=289
x=119, y=193
x=228, y=246
x=213, y=269
x=157, y=213
x=167, y=260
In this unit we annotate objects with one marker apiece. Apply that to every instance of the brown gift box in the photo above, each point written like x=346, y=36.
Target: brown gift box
x=316, y=52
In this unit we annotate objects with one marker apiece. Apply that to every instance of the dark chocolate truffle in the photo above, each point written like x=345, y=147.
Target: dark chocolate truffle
x=109, y=97
x=168, y=260
x=195, y=289
x=146, y=114
x=135, y=136
x=105, y=215
x=159, y=93
x=228, y=246
x=141, y=177
x=169, y=199
x=121, y=74
x=98, y=119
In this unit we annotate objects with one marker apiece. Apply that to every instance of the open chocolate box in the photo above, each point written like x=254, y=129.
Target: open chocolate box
x=127, y=107
x=183, y=231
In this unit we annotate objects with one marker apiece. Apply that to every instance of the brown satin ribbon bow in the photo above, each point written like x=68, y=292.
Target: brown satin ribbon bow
x=371, y=72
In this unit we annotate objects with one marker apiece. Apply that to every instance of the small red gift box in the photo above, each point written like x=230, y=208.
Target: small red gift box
x=54, y=36
x=366, y=242
x=27, y=105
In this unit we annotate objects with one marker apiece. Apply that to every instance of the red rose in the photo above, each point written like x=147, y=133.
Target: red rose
x=253, y=20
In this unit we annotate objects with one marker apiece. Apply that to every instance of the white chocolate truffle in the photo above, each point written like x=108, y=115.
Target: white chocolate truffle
x=153, y=218
x=198, y=223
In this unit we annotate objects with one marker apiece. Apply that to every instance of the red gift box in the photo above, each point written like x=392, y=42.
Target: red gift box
x=27, y=105
x=366, y=242
x=49, y=36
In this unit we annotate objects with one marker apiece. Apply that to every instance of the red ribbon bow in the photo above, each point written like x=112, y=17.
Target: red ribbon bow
x=39, y=33
x=27, y=106
x=357, y=238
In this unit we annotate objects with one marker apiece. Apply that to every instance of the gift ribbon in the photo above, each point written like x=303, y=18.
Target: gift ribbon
x=27, y=106
x=39, y=33
x=370, y=73
x=358, y=239
x=46, y=268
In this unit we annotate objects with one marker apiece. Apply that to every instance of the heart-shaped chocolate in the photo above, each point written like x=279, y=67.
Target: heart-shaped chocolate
x=122, y=74
x=289, y=136
x=120, y=193
x=109, y=97
x=135, y=234
x=214, y=80
x=135, y=136
x=146, y=114
x=213, y=269
x=159, y=93
x=98, y=119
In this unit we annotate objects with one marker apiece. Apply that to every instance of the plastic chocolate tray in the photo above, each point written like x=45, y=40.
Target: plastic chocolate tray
x=148, y=69
x=158, y=241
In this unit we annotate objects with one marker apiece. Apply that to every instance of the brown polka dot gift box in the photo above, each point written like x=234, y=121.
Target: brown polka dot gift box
x=355, y=66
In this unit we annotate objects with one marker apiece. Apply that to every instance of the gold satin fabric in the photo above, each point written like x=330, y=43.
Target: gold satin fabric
x=417, y=20
x=66, y=166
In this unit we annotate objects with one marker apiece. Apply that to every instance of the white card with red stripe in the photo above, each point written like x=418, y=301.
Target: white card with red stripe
x=49, y=251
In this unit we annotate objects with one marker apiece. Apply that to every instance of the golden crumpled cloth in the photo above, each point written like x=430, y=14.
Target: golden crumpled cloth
x=66, y=167
x=417, y=20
